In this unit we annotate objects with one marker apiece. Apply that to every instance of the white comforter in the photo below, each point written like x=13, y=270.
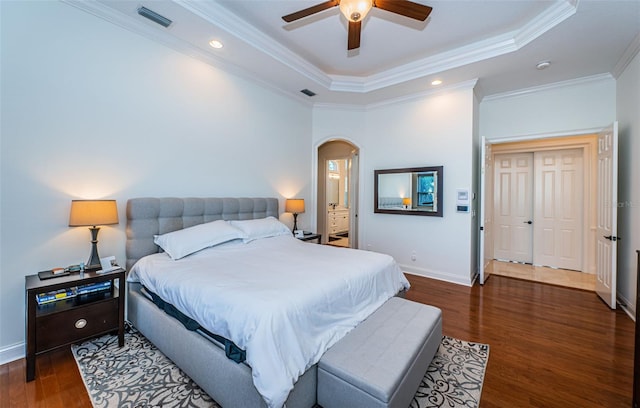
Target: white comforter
x=282, y=300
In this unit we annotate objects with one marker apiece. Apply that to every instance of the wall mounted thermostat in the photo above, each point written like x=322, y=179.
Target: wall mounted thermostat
x=462, y=200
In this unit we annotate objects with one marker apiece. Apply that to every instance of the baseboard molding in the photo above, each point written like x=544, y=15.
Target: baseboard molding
x=628, y=311
x=628, y=308
x=428, y=273
x=12, y=353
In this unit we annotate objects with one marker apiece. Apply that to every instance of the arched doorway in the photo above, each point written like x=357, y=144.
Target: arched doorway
x=338, y=193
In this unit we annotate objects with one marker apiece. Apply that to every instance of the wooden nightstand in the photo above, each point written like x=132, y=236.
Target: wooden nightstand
x=62, y=322
x=311, y=237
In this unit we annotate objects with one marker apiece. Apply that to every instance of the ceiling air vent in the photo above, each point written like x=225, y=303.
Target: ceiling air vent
x=155, y=17
x=308, y=92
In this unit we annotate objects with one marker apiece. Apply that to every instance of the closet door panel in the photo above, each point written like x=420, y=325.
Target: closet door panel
x=513, y=178
x=559, y=195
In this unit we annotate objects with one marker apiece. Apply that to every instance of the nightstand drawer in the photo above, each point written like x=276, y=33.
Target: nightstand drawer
x=85, y=321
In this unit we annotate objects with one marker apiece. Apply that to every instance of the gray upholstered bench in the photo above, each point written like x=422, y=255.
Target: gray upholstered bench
x=381, y=362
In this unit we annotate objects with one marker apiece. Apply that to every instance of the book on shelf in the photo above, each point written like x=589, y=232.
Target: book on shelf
x=55, y=295
x=68, y=293
x=93, y=287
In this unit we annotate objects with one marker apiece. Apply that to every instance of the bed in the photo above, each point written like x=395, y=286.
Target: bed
x=390, y=203
x=317, y=293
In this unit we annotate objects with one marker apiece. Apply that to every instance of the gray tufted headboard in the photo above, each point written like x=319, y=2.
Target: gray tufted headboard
x=147, y=217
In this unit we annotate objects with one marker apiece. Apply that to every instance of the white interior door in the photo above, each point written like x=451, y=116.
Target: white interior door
x=607, y=210
x=485, y=211
x=513, y=207
x=558, y=210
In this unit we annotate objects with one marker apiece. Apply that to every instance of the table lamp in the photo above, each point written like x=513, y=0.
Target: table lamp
x=295, y=206
x=90, y=213
x=406, y=202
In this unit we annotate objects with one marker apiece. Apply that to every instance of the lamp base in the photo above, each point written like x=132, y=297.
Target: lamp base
x=94, y=259
x=295, y=222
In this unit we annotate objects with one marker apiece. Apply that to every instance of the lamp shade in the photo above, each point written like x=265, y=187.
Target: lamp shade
x=294, y=205
x=406, y=201
x=86, y=213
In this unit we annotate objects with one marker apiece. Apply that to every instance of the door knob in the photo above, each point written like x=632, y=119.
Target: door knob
x=528, y=222
x=612, y=238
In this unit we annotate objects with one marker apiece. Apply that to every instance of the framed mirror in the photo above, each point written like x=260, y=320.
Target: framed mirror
x=411, y=191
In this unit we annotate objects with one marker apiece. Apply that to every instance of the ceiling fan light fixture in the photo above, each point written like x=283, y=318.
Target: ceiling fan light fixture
x=355, y=10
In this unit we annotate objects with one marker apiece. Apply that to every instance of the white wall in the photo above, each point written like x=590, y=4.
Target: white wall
x=430, y=131
x=550, y=111
x=628, y=106
x=90, y=110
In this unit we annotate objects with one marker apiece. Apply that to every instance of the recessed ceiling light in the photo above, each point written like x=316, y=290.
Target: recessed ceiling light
x=436, y=82
x=543, y=64
x=215, y=44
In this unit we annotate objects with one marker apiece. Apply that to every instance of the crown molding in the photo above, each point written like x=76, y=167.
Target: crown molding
x=465, y=85
x=221, y=17
x=545, y=21
x=165, y=38
x=424, y=67
x=629, y=54
x=231, y=23
x=475, y=52
x=468, y=54
x=470, y=84
x=547, y=87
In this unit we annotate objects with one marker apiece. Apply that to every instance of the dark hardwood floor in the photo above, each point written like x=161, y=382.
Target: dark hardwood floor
x=549, y=347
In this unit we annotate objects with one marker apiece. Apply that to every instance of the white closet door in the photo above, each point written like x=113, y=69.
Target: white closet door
x=513, y=202
x=558, y=215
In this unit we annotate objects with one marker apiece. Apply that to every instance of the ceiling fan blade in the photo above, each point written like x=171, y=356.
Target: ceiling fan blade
x=311, y=10
x=354, y=35
x=404, y=8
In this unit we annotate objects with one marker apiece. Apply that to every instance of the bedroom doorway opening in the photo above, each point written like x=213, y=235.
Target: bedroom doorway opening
x=540, y=208
x=337, y=193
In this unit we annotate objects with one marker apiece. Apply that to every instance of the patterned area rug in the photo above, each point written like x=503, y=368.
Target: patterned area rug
x=139, y=375
x=454, y=377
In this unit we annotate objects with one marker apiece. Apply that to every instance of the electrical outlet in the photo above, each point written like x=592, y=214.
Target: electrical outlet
x=413, y=255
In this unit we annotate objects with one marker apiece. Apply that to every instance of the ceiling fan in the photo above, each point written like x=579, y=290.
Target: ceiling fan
x=356, y=10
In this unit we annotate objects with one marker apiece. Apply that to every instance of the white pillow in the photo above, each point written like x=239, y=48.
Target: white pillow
x=181, y=243
x=261, y=228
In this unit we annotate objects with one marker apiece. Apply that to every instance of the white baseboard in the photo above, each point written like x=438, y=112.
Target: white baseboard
x=627, y=306
x=12, y=353
x=428, y=273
